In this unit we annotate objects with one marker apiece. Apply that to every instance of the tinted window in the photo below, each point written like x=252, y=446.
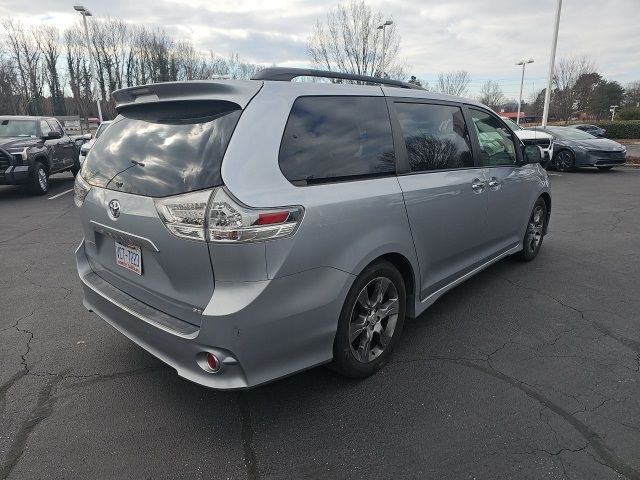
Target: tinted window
x=44, y=126
x=329, y=138
x=55, y=126
x=496, y=143
x=160, y=150
x=436, y=136
x=566, y=133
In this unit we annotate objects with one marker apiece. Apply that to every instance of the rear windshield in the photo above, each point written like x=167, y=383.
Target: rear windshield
x=163, y=149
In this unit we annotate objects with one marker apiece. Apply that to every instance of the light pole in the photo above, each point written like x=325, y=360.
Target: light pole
x=86, y=13
x=613, y=111
x=382, y=27
x=523, y=63
x=552, y=60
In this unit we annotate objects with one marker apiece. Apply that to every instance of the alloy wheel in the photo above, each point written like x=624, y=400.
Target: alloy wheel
x=535, y=228
x=42, y=179
x=564, y=161
x=373, y=319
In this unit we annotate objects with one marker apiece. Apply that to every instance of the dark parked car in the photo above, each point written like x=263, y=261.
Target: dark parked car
x=592, y=129
x=32, y=149
x=574, y=148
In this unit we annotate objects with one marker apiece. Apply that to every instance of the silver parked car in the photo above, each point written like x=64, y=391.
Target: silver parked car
x=241, y=231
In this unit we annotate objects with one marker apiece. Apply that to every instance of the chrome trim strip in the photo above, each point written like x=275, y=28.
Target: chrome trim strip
x=122, y=235
x=130, y=311
x=461, y=279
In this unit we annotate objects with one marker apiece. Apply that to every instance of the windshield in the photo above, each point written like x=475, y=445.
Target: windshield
x=514, y=126
x=565, y=133
x=18, y=128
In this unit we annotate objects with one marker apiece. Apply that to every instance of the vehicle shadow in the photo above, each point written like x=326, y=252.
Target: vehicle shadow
x=57, y=184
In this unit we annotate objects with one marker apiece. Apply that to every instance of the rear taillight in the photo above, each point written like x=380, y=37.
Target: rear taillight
x=80, y=190
x=216, y=216
x=230, y=221
x=185, y=215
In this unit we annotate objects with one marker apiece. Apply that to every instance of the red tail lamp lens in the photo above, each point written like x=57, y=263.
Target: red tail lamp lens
x=213, y=362
x=271, y=218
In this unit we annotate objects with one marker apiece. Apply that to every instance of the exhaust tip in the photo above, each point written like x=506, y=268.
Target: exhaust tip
x=213, y=363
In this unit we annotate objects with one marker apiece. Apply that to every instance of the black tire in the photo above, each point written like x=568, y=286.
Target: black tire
x=605, y=169
x=345, y=356
x=534, y=235
x=564, y=161
x=75, y=169
x=39, y=179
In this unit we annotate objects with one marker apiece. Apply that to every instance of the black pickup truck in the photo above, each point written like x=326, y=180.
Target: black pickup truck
x=32, y=149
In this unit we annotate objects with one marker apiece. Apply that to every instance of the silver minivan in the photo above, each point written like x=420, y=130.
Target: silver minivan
x=241, y=231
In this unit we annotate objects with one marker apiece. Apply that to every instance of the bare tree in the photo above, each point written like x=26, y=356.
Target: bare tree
x=453, y=83
x=25, y=52
x=9, y=84
x=491, y=94
x=567, y=72
x=349, y=41
x=49, y=43
x=40, y=69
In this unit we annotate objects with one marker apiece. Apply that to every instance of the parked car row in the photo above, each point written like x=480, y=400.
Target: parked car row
x=34, y=148
x=573, y=148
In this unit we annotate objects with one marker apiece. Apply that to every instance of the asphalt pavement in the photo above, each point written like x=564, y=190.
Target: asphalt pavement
x=524, y=371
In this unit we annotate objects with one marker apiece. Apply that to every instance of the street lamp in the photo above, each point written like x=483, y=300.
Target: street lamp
x=523, y=63
x=612, y=109
x=552, y=60
x=86, y=13
x=382, y=27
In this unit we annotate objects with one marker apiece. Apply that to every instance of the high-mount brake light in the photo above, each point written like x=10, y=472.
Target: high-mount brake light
x=216, y=216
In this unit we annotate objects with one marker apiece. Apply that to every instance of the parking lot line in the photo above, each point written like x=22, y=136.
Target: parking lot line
x=555, y=174
x=60, y=194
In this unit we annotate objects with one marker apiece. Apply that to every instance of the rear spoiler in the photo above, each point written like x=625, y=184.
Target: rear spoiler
x=239, y=92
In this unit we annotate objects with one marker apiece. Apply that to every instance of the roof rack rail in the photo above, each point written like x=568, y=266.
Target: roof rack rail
x=283, y=74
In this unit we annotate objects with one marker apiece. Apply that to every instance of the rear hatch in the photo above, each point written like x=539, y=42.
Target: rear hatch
x=167, y=143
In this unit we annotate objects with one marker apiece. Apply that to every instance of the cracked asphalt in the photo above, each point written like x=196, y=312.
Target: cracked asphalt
x=524, y=371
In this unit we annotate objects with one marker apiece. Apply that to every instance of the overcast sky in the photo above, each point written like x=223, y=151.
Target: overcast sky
x=484, y=37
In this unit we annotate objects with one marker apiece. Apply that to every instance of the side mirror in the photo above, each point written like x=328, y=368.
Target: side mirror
x=532, y=154
x=53, y=135
x=87, y=137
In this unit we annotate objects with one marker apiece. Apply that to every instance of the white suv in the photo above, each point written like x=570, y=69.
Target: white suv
x=533, y=137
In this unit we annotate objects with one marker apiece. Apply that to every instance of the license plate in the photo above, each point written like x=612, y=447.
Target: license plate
x=129, y=257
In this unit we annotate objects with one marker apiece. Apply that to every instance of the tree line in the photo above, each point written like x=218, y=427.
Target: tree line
x=46, y=71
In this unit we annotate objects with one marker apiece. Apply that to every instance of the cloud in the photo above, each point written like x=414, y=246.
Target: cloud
x=485, y=38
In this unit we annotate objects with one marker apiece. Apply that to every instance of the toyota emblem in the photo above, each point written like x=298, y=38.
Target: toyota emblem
x=114, y=209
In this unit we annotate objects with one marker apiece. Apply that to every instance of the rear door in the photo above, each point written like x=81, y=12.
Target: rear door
x=444, y=190
x=57, y=160
x=65, y=149
x=171, y=151
x=511, y=185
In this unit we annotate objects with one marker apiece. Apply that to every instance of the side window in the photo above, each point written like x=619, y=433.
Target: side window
x=334, y=138
x=496, y=143
x=436, y=136
x=44, y=126
x=55, y=126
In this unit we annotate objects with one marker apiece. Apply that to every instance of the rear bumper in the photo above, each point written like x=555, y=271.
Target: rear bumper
x=260, y=330
x=15, y=175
